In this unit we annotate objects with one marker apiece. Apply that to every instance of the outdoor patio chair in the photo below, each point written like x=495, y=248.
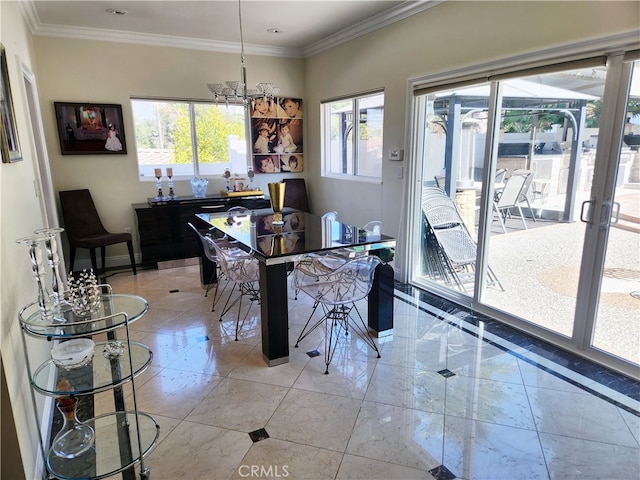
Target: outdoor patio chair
x=452, y=245
x=524, y=194
x=498, y=182
x=511, y=197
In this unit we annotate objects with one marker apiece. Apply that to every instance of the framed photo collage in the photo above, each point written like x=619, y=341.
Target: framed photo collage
x=276, y=135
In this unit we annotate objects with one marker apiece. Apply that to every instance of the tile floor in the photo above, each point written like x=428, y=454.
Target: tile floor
x=448, y=399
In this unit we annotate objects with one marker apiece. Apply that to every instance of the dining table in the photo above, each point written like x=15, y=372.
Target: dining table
x=278, y=247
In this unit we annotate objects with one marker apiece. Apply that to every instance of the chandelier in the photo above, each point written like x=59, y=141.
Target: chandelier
x=234, y=91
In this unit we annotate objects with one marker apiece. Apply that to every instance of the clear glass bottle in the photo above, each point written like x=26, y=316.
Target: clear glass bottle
x=74, y=438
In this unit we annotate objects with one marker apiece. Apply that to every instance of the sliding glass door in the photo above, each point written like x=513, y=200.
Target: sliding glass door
x=613, y=314
x=527, y=161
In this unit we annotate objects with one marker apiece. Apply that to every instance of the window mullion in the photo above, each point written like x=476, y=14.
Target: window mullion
x=194, y=142
x=356, y=136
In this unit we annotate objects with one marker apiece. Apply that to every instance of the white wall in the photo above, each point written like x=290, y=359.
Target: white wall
x=107, y=72
x=448, y=37
x=20, y=215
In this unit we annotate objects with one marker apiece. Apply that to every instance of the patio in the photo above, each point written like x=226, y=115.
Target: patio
x=539, y=268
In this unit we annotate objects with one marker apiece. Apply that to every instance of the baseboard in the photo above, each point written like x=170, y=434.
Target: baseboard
x=182, y=262
x=119, y=261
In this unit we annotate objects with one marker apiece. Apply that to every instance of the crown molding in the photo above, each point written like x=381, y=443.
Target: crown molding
x=393, y=15
x=381, y=20
x=162, y=40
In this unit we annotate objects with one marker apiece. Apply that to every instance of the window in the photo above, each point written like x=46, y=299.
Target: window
x=195, y=139
x=349, y=153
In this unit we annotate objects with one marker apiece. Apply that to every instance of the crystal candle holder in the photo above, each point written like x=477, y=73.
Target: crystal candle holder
x=34, y=243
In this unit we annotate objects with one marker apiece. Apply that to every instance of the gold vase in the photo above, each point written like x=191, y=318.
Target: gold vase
x=276, y=193
x=278, y=245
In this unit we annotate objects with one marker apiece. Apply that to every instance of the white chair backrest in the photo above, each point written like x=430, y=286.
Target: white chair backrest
x=513, y=189
x=528, y=174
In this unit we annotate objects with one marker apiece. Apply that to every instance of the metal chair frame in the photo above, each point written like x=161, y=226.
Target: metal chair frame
x=453, y=251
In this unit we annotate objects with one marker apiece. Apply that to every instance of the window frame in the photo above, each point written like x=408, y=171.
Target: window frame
x=354, y=163
x=191, y=105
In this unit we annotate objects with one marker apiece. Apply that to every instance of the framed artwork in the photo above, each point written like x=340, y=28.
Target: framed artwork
x=276, y=135
x=8, y=133
x=90, y=128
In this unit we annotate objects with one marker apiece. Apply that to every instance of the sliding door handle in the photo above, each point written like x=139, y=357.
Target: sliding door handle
x=615, y=213
x=584, y=210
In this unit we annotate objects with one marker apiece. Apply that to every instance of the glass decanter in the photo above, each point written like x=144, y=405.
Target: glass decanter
x=74, y=438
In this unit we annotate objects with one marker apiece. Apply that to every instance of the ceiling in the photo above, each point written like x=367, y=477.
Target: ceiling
x=305, y=26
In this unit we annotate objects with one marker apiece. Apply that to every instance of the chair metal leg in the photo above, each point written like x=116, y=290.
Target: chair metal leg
x=244, y=289
x=305, y=332
x=332, y=323
x=362, y=331
x=533, y=215
x=504, y=229
x=522, y=218
x=249, y=290
x=228, y=306
x=338, y=318
x=218, y=292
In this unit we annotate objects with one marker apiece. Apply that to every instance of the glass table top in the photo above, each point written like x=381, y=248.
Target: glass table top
x=301, y=233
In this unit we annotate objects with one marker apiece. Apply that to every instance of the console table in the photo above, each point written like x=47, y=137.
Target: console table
x=162, y=225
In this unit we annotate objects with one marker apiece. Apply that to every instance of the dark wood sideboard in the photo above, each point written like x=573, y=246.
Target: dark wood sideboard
x=163, y=225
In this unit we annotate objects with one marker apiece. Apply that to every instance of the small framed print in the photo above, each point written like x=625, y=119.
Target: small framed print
x=90, y=128
x=9, y=144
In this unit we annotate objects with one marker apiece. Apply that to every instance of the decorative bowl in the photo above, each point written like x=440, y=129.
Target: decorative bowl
x=74, y=353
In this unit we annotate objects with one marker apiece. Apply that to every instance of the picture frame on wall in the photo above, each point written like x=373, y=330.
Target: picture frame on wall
x=276, y=135
x=9, y=143
x=90, y=128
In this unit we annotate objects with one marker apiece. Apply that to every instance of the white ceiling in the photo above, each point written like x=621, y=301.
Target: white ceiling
x=305, y=26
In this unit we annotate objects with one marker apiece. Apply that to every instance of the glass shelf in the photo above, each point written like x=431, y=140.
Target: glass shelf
x=115, y=448
x=114, y=311
x=99, y=375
